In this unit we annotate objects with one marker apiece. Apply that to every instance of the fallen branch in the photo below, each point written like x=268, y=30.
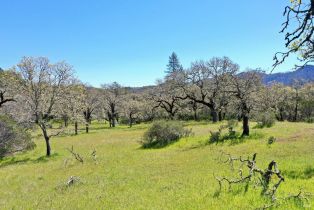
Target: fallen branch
x=76, y=155
x=94, y=157
x=264, y=179
x=265, y=175
x=72, y=180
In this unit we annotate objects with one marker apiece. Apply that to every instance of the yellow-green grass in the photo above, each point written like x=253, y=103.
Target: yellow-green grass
x=179, y=176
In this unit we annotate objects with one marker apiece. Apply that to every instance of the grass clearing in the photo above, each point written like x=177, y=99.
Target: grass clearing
x=179, y=176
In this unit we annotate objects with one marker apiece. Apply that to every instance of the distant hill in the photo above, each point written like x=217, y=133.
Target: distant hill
x=305, y=74
x=140, y=89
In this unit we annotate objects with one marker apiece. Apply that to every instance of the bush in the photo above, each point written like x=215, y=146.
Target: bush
x=271, y=140
x=217, y=136
x=309, y=120
x=13, y=137
x=265, y=120
x=162, y=133
x=214, y=136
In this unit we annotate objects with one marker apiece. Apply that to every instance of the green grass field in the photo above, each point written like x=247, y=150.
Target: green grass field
x=179, y=176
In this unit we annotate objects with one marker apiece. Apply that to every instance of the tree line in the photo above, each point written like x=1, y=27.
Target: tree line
x=38, y=92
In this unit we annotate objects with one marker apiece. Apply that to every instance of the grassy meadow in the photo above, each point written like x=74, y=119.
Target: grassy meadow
x=179, y=176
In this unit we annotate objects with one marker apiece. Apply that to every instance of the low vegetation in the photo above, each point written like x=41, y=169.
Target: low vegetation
x=266, y=119
x=13, y=137
x=162, y=133
x=179, y=176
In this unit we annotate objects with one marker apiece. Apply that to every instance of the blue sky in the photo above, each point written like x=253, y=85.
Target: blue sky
x=129, y=41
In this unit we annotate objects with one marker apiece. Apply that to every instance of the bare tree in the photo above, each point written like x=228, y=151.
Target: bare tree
x=91, y=104
x=245, y=87
x=112, y=99
x=297, y=85
x=131, y=106
x=167, y=97
x=205, y=81
x=72, y=104
x=43, y=85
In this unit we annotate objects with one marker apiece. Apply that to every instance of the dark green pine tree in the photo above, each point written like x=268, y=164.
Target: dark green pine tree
x=174, y=64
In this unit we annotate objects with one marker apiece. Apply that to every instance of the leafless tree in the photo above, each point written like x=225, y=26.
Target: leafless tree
x=43, y=85
x=111, y=100
x=205, y=81
x=167, y=97
x=72, y=104
x=132, y=105
x=245, y=87
x=91, y=104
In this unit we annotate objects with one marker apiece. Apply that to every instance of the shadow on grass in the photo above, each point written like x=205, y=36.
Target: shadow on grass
x=307, y=173
x=155, y=145
x=16, y=161
x=236, y=139
x=123, y=127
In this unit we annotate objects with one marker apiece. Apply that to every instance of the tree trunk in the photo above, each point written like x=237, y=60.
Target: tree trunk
x=246, y=129
x=75, y=127
x=130, y=120
x=171, y=115
x=195, y=115
x=295, y=117
x=281, y=115
x=48, y=148
x=214, y=115
x=220, y=116
x=113, y=123
x=87, y=127
x=65, y=120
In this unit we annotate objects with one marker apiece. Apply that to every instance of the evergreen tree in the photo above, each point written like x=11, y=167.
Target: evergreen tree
x=174, y=64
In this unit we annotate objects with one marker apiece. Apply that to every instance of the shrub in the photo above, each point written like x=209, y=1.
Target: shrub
x=310, y=120
x=214, y=136
x=13, y=137
x=162, y=133
x=271, y=140
x=231, y=134
x=266, y=119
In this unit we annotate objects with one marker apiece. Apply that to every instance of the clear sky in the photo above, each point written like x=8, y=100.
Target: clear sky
x=129, y=41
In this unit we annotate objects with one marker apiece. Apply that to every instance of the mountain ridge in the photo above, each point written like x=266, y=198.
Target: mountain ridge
x=305, y=74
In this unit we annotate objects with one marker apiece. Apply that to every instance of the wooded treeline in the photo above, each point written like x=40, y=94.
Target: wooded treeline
x=38, y=92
